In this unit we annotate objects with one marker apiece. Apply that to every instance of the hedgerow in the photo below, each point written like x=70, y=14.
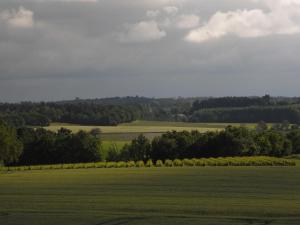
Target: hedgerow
x=159, y=163
x=188, y=162
x=149, y=163
x=168, y=163
x=225, y=162
x=177, y=163
x=140, y=164
x=130, y=164
x=121, y=164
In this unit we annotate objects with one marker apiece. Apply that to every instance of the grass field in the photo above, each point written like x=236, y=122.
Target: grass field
x=141, y=127
x=139, y=196
x=128, y=131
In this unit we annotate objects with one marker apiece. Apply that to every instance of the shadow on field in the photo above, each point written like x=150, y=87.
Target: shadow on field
x=120, y=221
x=179, y=220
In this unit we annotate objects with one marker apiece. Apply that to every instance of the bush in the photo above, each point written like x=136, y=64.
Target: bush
x=149, y=163
x=37, y=167
x=168, y=163
x=45, y=167
x=55, y=166
x=78, y=166
x=130, y=164
x=159, y=163
x=211, y=162
x=111, y=165
x=69, y=166
x=188, y=162
x=177, y=163
x=199, y=162
x=139, y=164
x=100, y=165
x=121, y=164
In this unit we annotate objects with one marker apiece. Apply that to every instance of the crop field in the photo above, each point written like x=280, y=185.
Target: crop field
x=142, y=196
x=128, y=131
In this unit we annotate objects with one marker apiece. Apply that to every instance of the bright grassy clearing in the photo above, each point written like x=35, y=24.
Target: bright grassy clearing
x=135, y=128
x=142, y=196
x=185, y=124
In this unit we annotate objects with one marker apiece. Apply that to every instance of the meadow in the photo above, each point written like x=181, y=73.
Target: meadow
x=142, y=196
x=127, y=131
x=145, y=127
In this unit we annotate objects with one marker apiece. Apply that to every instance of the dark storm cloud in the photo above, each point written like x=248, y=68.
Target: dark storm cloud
x=61, y=49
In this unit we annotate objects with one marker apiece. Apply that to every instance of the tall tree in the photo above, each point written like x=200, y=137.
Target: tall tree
x=10, y=147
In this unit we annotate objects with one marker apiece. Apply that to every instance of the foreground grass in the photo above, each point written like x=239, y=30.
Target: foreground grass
x=147, y=196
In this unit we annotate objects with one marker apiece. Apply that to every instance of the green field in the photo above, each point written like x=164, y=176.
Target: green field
x=128, y=131
x=138, y=196
x=141, y=127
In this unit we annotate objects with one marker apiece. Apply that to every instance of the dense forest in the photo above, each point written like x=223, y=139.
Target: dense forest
x=41, y=114
x=246, y=110
x=251, y=114
x=28, y=146
x=113, y=111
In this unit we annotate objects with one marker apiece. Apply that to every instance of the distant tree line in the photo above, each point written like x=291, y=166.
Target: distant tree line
x=233, y=102
x=228, y=102
x=233, y=141
x=252, y=114
x=110, y=111
x=113, y=111
x=42, y=114
x=246, y=110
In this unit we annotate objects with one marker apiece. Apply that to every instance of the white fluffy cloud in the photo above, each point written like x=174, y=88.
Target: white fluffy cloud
x=283, y=17
x=21, y=18
x=144, y=31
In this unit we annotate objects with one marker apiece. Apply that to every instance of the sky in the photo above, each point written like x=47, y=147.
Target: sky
x=62, y=49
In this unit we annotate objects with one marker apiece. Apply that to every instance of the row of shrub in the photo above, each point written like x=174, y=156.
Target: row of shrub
x=228, y=161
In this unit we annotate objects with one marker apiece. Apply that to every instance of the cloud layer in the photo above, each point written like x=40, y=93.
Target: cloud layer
x=61, y=49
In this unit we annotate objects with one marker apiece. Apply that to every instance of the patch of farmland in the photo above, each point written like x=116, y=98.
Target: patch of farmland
x=146, y=196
